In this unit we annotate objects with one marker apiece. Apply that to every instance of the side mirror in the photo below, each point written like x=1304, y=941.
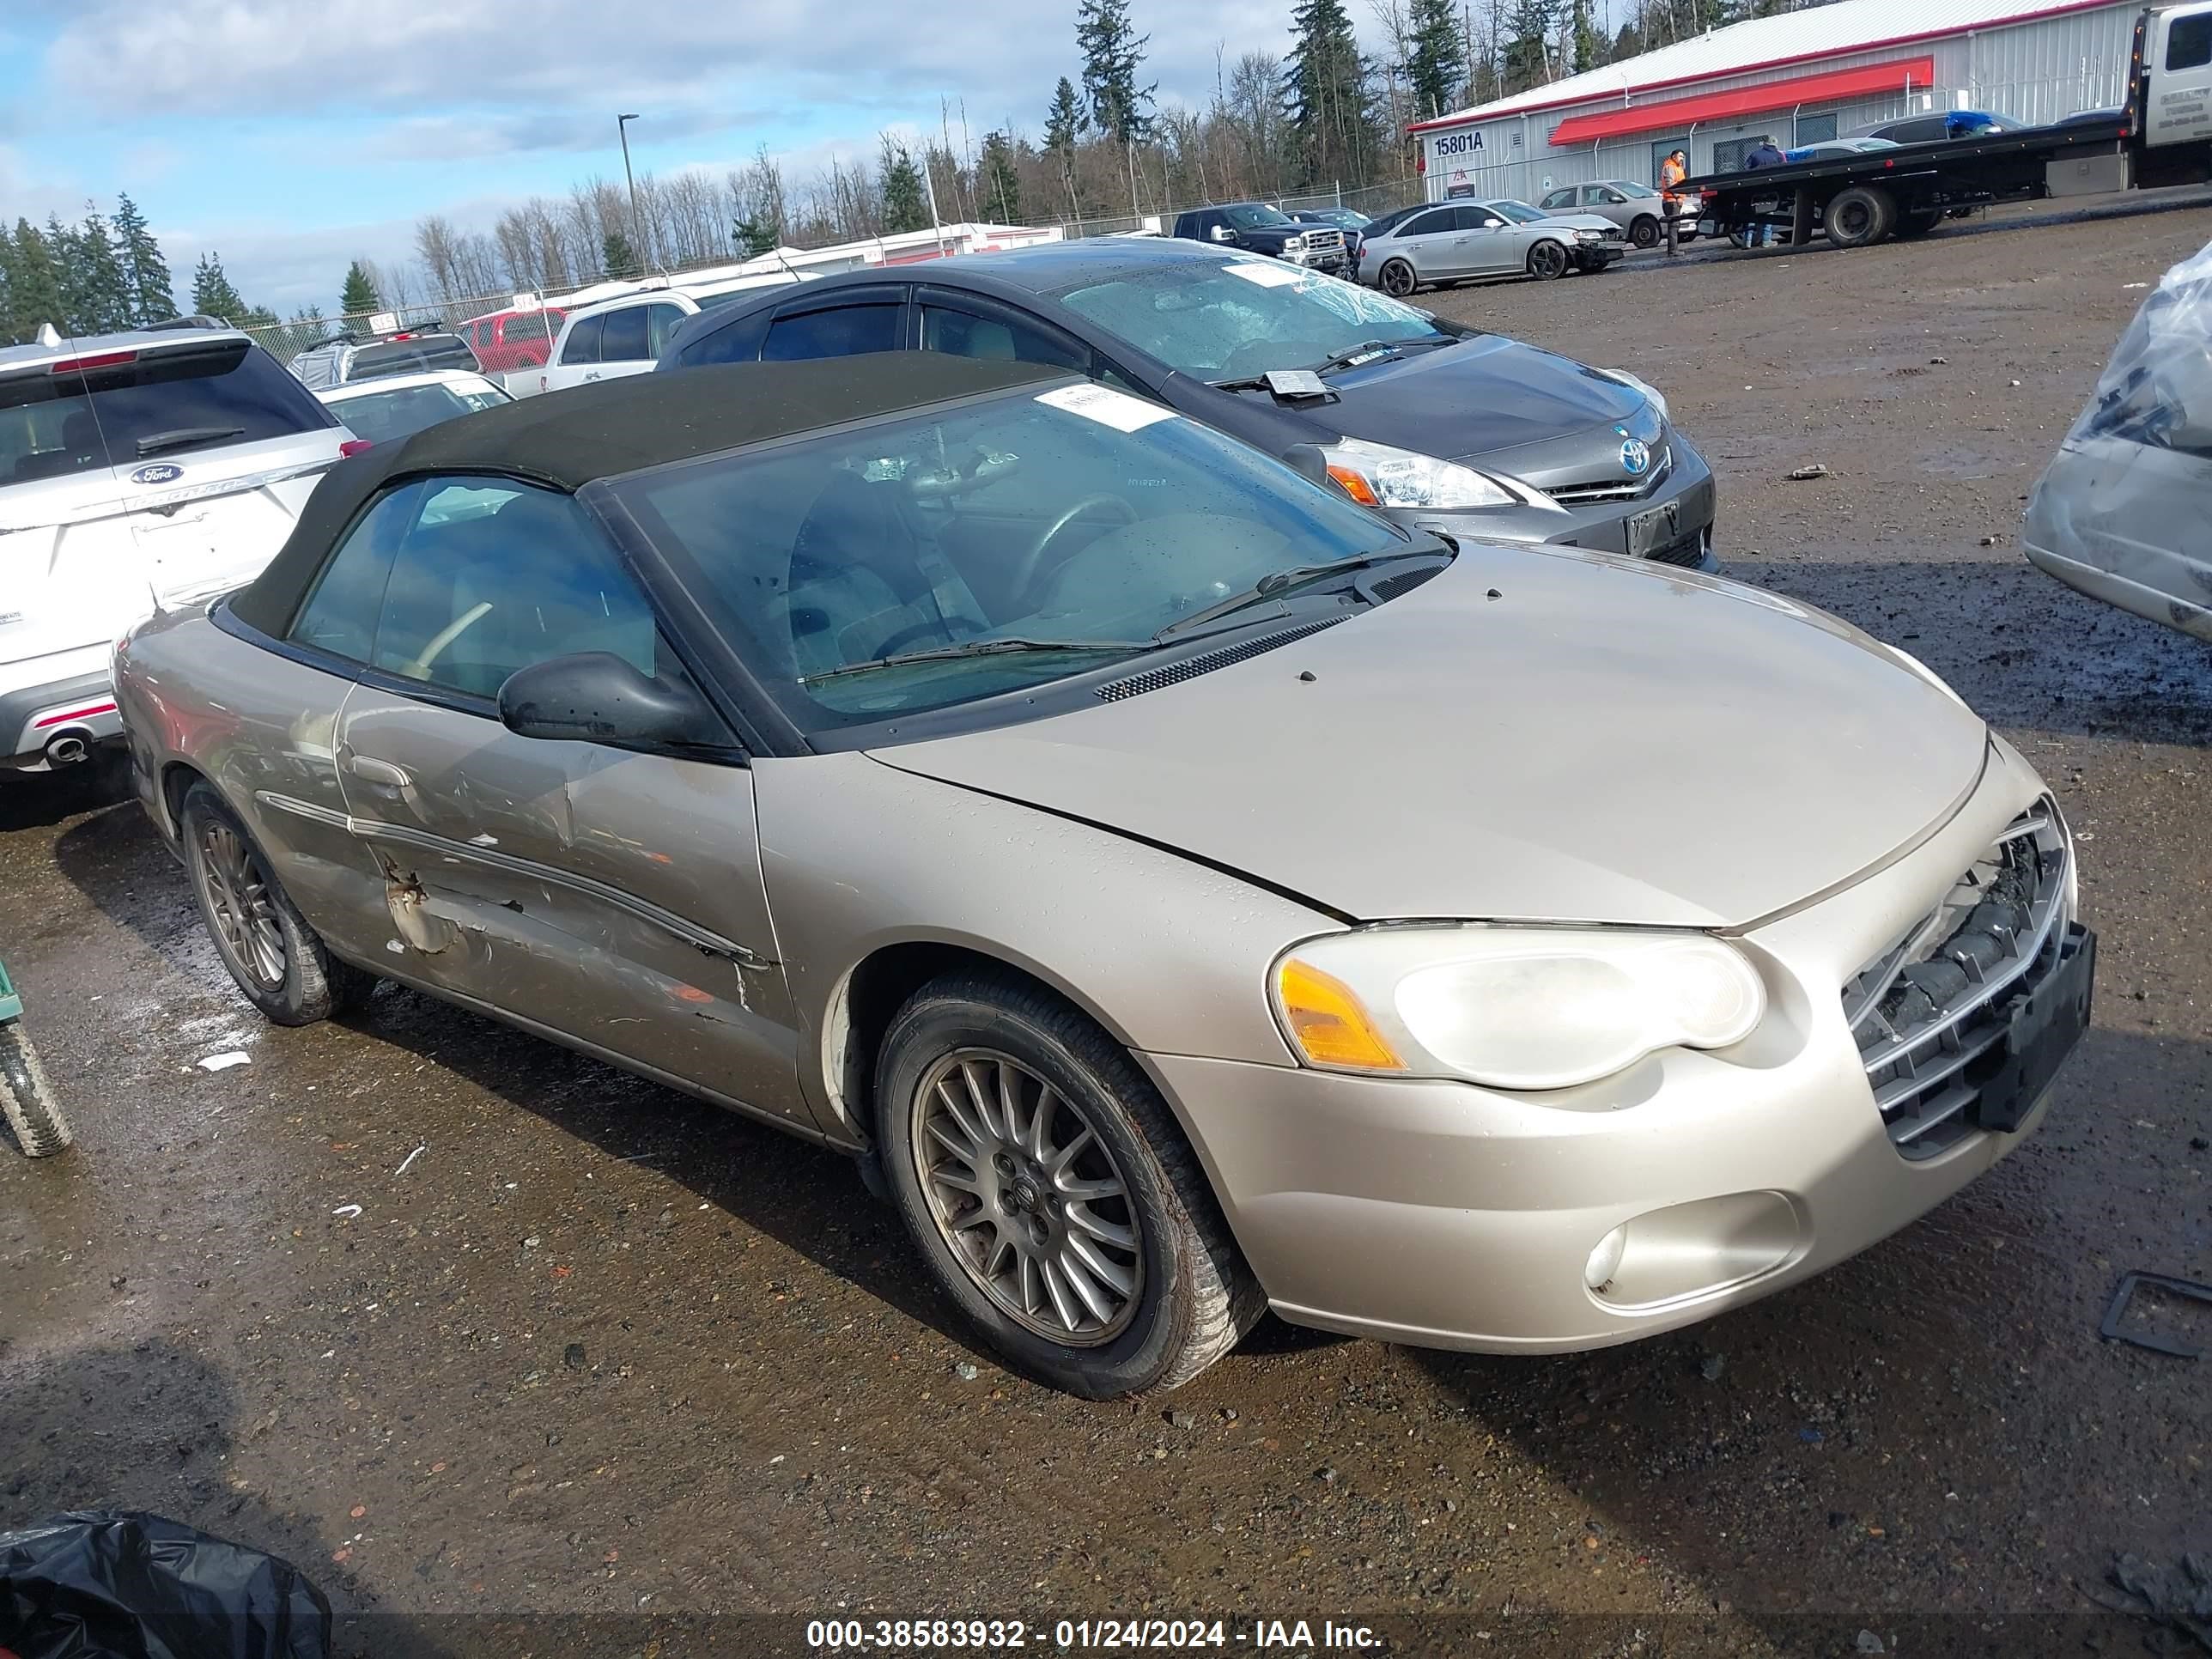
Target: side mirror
x=594, y=696
x=1222, y=234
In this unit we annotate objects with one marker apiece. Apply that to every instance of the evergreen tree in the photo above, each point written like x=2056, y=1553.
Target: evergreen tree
x=34, y=288
x=1113, y=51
x=620, y=259
x=153, y=296
x=212, y=294
x=106, y=302
x=1588, y=43
x=360, y=294
x=1000, y=186
x=261, y=317
x=1326, y=94
x=904, y=206
x=1063, y=124
x=1529, y=28
x=753, y=237
x=1435, y=57
x=61, y=248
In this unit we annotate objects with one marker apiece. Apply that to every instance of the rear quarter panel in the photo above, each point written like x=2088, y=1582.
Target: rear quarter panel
x=200, y=703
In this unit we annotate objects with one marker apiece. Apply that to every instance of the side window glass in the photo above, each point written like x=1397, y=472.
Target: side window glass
x=340, y=611
x=1426, y=224
x=1003, y=338
x=624, y=339
x=582, y=345
x=494, y=576
x=835, y=332
x=661, y=323
x=1558, y=198
x=2189, y=42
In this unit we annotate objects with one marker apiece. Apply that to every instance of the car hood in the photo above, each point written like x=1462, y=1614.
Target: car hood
x=1482, y=394
x=1579, y=221
x=1535, y=734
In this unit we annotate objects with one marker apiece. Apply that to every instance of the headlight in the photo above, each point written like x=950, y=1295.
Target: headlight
x=1655, y=397
x=1589, y=235
x=1377, y=475
x=1294, y=245
x=1511, y=1007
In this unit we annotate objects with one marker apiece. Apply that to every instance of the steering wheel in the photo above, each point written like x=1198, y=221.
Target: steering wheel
x=1025, y=576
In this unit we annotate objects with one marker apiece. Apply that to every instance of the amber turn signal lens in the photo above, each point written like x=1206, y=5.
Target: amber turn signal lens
x=1355, y=486
x=1328, y=1023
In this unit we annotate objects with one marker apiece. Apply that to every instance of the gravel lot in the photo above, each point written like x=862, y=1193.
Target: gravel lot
x=600, y=1351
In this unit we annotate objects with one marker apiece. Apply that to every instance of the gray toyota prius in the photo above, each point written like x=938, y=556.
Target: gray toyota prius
x=1441, y=426
x=1185, y=890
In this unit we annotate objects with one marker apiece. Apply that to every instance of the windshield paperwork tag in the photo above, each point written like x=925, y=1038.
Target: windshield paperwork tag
x=1270, y=275
x=1106, y=406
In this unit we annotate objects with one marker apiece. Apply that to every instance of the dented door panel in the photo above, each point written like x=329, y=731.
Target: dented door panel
x=612, y=896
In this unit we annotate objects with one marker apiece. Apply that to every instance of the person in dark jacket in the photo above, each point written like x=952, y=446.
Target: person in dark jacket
x=1765, y=154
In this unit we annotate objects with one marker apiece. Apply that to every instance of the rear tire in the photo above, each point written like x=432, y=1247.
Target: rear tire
x=1052, y=1194
x=1919, y=223
x=1547, y=261
x=1644, y=233
x=27, y=1099
x=1397, y=279
x=279, y=962
x=1861, y=216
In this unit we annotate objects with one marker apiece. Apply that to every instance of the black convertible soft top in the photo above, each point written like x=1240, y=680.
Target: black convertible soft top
x=567, y=440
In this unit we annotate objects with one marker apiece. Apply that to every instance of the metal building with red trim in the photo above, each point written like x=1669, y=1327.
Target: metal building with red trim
x=1797, y=78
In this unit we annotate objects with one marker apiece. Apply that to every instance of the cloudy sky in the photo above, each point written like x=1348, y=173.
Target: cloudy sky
x=290, y=134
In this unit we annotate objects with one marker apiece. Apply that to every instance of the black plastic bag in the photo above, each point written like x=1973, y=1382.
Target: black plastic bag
x=117, y=1584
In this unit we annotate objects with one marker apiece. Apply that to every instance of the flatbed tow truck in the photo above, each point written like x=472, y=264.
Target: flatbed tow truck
x=2162, y=136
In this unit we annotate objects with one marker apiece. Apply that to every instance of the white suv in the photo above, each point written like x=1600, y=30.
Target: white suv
x=138, y=472
x=626, y=336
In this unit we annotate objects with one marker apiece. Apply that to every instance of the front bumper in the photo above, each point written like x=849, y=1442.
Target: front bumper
x=68, y=692
x=1673, y=525
x=1445, y=1215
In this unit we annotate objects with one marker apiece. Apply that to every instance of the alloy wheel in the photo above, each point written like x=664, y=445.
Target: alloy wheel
x=1027, y=1197
x=238, y=900
x=1547, y=260
x=1398, y=279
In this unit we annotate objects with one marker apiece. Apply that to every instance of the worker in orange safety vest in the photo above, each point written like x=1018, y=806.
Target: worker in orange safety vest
x=1672, y=172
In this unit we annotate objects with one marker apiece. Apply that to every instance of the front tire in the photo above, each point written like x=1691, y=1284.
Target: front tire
x=1397, y=279
x=1860, y=216
x=1644, y=233
x=27, y=1099
x=279, y=962
x=1052, y=1194
x=1547, y=261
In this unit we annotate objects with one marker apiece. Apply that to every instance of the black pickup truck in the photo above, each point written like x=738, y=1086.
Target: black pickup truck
x=2161, y=136
x=1258, y=229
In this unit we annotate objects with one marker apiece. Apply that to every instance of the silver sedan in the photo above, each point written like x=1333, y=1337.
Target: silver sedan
x=1184, y=892
x=1454, y=241
x=1638, y=209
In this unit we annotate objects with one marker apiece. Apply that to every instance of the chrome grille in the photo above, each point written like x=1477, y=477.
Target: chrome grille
x=1930, y=1014
x=1322, y=239
x=1616, y=490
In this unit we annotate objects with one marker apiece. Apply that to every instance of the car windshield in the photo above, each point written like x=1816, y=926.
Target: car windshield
x=1519, y=212
x=387, y=417
x=1048, y=532
x=1256, y=217
x=1626, y=188
x=164, y=404
x=1226, y=321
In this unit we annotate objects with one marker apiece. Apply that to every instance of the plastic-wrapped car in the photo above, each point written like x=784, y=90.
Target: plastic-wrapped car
x=2118, y=513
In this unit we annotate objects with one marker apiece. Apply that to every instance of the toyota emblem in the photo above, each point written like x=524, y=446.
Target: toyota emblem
x=1635, y=457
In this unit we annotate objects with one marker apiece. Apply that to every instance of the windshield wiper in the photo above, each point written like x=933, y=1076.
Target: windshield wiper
x=974, y=648
x=1276, y=583
x=1365, y=351
x=154, y=442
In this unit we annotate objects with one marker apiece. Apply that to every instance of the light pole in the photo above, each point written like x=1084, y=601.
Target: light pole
x=636, y=236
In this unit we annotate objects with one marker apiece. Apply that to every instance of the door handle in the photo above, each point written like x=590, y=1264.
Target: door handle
x=369, y=769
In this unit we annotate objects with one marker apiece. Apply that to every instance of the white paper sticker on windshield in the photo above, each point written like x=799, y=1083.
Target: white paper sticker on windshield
x=1106, y=406
x=1270, y=275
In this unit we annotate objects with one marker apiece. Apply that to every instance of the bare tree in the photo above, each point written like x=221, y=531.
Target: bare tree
x=434, y=246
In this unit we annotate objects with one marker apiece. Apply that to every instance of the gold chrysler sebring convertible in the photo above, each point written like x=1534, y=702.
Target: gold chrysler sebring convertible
x=1184, y=890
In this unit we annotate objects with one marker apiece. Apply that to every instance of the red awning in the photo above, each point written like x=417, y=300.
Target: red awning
x=1865, y=82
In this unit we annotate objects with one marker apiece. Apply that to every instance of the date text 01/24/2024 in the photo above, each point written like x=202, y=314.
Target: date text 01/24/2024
x=917, y=1635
